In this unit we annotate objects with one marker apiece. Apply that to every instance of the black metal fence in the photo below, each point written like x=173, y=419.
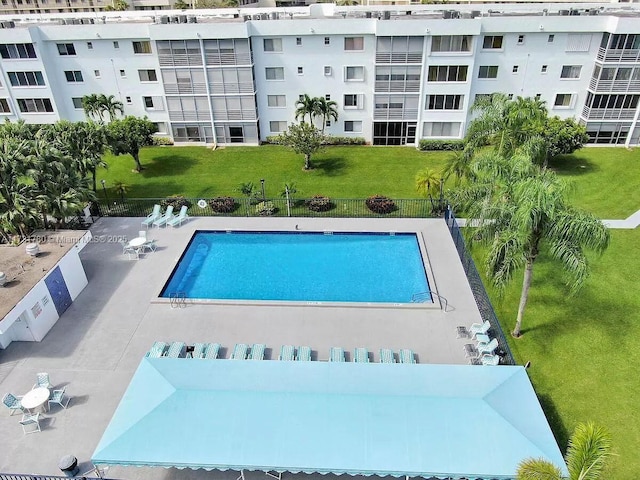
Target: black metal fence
x=277, y=207
x=477, y=287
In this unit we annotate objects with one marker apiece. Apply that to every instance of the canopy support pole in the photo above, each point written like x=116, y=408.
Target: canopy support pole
x=277, y=475
x=241, y=477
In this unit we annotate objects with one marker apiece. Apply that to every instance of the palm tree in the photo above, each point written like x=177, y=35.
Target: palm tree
x=91, y=106
x=458, y=165
x=110, y=106
x=520, y=207
x=427, y=181
x=587, y=455
x=328, y=109
x=307, y=106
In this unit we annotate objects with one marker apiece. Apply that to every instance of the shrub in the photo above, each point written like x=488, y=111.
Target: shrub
x=265, y=208
x=223, y=204
x=178, y=201
x=380, y=204
x=426, y=144
x=319, y=203
x=335, y=140
x=160, y=141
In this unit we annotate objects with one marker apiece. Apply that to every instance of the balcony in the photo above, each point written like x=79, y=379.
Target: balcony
x=213, y=57
x=395, y=114
x=398, y=86
x=623, y=86
x=399, y=57
x=187, y=88
x=618, y=55
x=188, y=116
x=234, y=114
x=608, y=113
x=221, y=88
x=180, y=60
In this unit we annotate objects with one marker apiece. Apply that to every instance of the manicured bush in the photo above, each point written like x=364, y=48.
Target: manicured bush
x=335, y=140
x=161, y=141
x=178, y=201
x=319, y=203
x=431, y=145
x=265, y=208
x=380, y=204
x=223, y=204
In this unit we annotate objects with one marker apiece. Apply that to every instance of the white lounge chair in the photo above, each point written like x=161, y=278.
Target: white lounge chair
x=304, y=354
x=181, y=217
x=287, y=353
x=152, y=217
x=479, y=328
x=168, y=215
x=407, y=356
x=336, y=354
x=387, y=356
x=361, y=355
x=488, y=348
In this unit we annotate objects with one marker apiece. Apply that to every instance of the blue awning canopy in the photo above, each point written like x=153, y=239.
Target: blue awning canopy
x=453, y=421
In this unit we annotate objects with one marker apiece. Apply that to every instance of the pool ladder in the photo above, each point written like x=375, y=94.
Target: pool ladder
x=424, y=297
x=178, y=300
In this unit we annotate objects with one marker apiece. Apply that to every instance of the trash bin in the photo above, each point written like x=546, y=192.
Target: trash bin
x=69, y=465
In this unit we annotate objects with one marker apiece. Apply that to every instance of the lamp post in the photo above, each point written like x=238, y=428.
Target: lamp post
x=264, y=199
x=104, y=189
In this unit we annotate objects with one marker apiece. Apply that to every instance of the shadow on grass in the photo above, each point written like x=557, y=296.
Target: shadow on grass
x=573, y=165
x=331, y=166
x=167, y=165
x=553, y=417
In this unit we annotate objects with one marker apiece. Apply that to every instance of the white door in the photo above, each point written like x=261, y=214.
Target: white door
x=20, y=330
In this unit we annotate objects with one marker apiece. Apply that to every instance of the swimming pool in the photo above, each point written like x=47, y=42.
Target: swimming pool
x=300, y=266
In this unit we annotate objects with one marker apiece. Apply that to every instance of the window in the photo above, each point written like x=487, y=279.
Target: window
x=301, y=97
x=451, y=43
x=96, y=73
x=492, y=42
x=327, y=123
x=353, y=74
x=298, y=41
x=327, y=71
x=327, y=41
x=4, y=106
x=77, y=103
x=123, y=74
x=272, y=44
x=327, y=97
x=441, y=129
x=563, y=100
x=353, y=101
x=520, y=39
x=571, y=71
x=353, y=126
x=116, y=44
x=128, y=100
x=143, y=46
x=276, y=100
x=17, y=50
x=550, y=38
x=488, y=71
x=66, y=49
x=35, y=105
x=444, y=102
x=510, y=96
x=26, y=79
x=148, y=102
x=277, y=126
x=300, y=70
x=73, y=75
x=543, y=69
x=162, y=127
x=447, y=73
x=90, y=45
x=514, y=69
x=538, y=96
x=148, y=75
x=274, y=73
x=354, y=43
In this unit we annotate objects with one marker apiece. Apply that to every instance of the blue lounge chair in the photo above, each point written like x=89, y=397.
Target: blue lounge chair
x=488, y=348
x=161, y=221
x=157, y=350
x=387, y=356
x=177, y=350
x=239, y=352
x=212, y=350
x=287, y=353
x=361, y=355
x=407, y=356
x=479, y=328
x=181, y=217
x=152, y=217
x=336, y=354
x=490, y=360
x=257, y=352
x=198, y=350
x=304, y=354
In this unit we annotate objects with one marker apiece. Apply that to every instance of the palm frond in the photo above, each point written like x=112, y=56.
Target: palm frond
x=538, y=469
x=589, y=449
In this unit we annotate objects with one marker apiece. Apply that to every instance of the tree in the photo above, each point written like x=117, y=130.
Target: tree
x=181, y=5
x=129, y=135
x=118, y=5
x=457, y=165
x=91, y=106
x=587, y=455
x=328, y=109
x=303, y=138
x=307, y=106
x=427, y=181
x=518, y=208
x=562, y=136
x=110, y=106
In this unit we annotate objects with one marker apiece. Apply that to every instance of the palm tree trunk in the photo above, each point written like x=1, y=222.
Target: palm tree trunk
x=524, y=295
x=93, y=177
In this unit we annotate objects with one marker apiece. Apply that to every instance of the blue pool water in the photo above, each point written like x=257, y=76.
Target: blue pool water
x=315, y=267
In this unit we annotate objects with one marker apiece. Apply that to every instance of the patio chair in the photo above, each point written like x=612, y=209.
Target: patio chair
x=479, y=328
x=198, y=350
x=58, y=398
x=470, y=351
x=162, y=220
x=304, y=354
x=30, y=423
x=336, y=354
x=149, y=245
x=177, y=350
x=490, y=360
x=240, y=352
x=287, y=353
x=152, y=217
x=387, y=356
x=13, y=403
x=157, y=350
x=257, y=352
x=176, y=221
x=128, y=249
x=42, y=380
x=361, y=355
x=488, y=348
x=211, y=352
x=407, y=356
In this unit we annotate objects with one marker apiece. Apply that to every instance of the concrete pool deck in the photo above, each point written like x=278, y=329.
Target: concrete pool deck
x=98, y=342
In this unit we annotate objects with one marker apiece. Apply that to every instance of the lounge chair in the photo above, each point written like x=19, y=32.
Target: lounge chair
x=488, y=348
x=407, y=356
x=177, y=350
x=479, y=328
x=361, y=355
x=30, y=423
x=387, y=356
x=287, y=353
x=13, y=403
x=177, y=220
x=490, y=360
x=152, y=217
x=157, y=350
x=57, y=397
x=257, y=352
x=198, y=350
x=304, y=354
x=240, y=352
x=42, y=380
x=211, y=352
x=470, y=351
x=336, y=354
x=168, y=215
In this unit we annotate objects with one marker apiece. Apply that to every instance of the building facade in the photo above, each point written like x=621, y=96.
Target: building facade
x=397, y=75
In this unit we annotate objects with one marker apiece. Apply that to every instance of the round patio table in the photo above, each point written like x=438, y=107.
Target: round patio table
x=137, y=242
x=36, y=398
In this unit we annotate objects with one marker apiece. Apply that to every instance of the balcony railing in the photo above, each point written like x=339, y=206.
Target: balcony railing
x=217, y=58
x=608, y=113
x=614, y=85
x=395, y=114
x=222, y=88
x=180, y=60
x=618, y=55
x=185, y=88
x=234, y=114
x=398, y=86
x=399, y=57
x=189, y=116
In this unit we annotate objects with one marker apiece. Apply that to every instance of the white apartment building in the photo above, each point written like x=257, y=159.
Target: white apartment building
x=398, y=74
